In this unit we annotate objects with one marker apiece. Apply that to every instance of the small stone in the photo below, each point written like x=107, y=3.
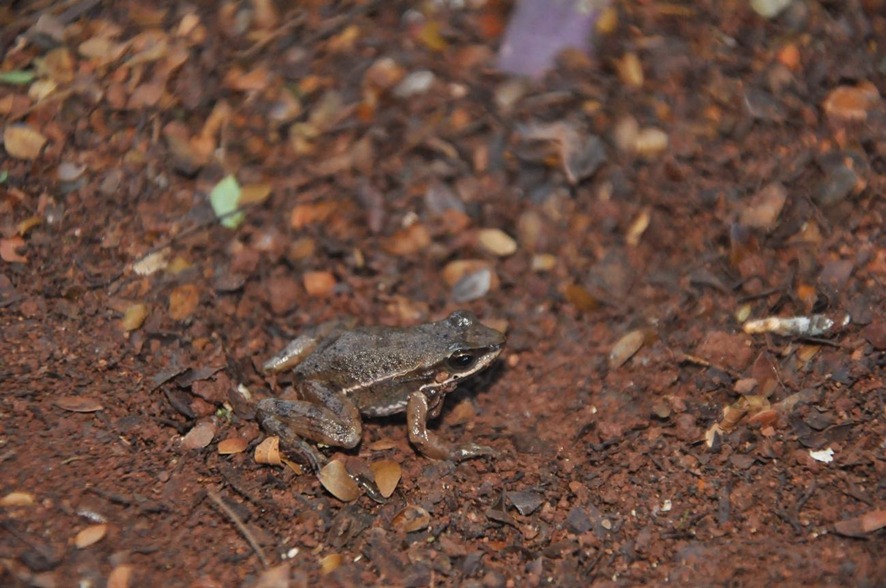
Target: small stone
x=496, y=242
x=851, y=103
x=769, y=9
x=651, y=142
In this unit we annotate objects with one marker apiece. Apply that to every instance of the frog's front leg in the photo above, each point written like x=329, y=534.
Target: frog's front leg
x=427, y=441
x=324, y=416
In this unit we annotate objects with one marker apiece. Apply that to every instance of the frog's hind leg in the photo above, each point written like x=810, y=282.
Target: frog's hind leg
x=324, y=416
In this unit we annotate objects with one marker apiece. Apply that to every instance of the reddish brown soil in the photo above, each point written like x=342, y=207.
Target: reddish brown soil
x=768, y=200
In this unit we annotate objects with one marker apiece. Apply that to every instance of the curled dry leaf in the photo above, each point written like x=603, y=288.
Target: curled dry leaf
x=336, y=479
x=410, y=519
x=232, y=445
x=626, y=347
x=23, y=142
x=17, y=499
x=637, y=228
x=387, y=475
x=268, y=451
x=78, y=404
x=134, y=317
x=9, y=250
x=90, y=536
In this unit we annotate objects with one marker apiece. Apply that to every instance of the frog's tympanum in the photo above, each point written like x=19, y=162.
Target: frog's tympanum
x=343, y=373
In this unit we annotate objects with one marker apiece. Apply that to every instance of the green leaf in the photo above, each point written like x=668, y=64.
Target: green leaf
x=4, y=175
x=17, y=77
x=225, y=198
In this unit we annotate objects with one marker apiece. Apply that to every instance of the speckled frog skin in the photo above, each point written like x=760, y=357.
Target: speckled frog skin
x=342, y=373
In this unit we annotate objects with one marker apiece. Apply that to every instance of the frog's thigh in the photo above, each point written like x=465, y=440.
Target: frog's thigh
x=417, y=422
x=325, y=416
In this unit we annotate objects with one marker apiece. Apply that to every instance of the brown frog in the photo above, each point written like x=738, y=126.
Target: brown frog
x=342, y=373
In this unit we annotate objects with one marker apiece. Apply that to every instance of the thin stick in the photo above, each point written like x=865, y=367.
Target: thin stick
x=241, y=526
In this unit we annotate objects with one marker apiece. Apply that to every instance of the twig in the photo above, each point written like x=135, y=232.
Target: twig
x=241, y=526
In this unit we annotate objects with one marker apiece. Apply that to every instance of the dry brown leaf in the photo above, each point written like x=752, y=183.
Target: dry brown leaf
x=232, y=445
x=102, y=50
x=200, y=435
x=319, y=284
x=22, y=141
x=183, y=301
x=90, y=535
x=254, y=193
x=78, y=404
x=410, y=519
x=862, y=525
x=247, y=81
x=336, y=479
x=409, y=240
x=312, y=213
x=455, y=270
x=17, y=499
x=9, y=250
x=580, y=298
x=59, y=65
x=268, y=451
x=120, y=576
x=134, y=317
x=387, y=475
x=626, y=347
x=330, y=563
x=275, y=577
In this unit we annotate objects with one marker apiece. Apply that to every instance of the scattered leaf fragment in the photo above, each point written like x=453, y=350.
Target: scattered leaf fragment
x=336, y=479
x=813, y=325
x=183, y=301
x=387, y=475
x=232, y=445
x=862, y=525
x=17, y=77
x=410, y=519
x=254, y=193
x=23, y=142
x=274, y=577
x=90, y=535
x=319, y=284
x=330, y=563
x=134, y=316
x=225, y=199
x=17, y=499
x=268, y=451
x=637, y=228
x=9, y=247
x=120, y=576
x=200, y=435
x=580, y=298
x=526, y=502
x=151, y=263
x=824, y=456
x=78, y=404
x=626, y=347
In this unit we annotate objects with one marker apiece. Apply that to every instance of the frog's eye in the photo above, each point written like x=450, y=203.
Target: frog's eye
x=462, y=360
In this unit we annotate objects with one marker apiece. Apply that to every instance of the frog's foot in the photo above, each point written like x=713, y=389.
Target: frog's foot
x=293, y=445
x=470, y=451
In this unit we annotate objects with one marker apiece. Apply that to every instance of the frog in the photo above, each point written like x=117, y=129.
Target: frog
x=342, y=373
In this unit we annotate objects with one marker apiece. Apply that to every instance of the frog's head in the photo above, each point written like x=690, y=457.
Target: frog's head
x=470, y=346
